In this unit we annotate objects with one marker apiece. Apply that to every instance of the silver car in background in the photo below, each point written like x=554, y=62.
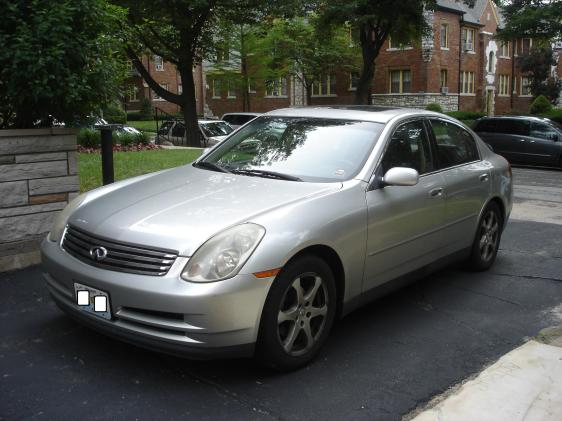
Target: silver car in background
x=293, y=221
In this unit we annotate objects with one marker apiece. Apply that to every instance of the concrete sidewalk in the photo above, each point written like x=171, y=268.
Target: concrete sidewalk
x=525, y=384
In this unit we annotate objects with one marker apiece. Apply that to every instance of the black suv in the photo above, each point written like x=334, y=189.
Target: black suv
x=525, y=140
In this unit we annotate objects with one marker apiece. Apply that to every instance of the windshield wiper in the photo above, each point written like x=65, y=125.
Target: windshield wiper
x=266, y=174
x=210, y=166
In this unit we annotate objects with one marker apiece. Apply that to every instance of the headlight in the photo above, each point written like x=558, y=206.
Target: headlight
x=62, y=218
x=223, y=255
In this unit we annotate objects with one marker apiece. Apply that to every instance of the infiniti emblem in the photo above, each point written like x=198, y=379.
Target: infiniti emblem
x=98, y=253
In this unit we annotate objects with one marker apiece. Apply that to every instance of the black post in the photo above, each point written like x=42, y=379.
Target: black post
x=107, y=154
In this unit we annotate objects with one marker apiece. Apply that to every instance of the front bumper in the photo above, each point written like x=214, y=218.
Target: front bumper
x=166, y=313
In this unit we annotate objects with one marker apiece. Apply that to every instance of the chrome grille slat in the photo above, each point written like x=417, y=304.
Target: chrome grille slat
x=121, y=257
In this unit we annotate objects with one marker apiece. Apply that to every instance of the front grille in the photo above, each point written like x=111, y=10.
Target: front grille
x=121, y=257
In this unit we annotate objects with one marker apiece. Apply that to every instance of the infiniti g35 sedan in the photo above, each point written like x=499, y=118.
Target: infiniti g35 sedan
x=293, y=221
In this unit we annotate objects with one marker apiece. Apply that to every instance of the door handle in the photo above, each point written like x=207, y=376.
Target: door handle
x=438, y=192
x=521, y=140
x=484, y=177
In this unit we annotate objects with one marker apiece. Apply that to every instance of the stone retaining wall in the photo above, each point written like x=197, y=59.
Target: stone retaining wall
x=38, y=176
x=449, y=102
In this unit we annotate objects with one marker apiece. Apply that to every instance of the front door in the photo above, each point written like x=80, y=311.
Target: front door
x=405, y=222
x=542, y=147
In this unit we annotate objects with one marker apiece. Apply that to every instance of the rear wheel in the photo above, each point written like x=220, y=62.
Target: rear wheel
x=298, y=314
x=487, y=241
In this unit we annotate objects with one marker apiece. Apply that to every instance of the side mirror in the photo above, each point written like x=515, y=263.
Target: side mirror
x=401, y=176
x=554, y=137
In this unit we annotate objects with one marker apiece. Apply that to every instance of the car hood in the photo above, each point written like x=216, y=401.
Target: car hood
x=181, y=208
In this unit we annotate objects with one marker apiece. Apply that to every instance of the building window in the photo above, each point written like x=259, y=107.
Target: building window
x=468, y=39
x=400, y=81
x=325, y=86
x=491, y=58
x=216, y=88
x=157, y=97
x=231, y=89
x=276, y=87
x=444, y=35
x=467, y=82
x=526, y=86
x=393, y=45
x=504, y=49
x=353, y=81
x=159, y=63
x=526, y=44
x=251, y=86
x=443, y=78
x=504, y=85
x=133, y=93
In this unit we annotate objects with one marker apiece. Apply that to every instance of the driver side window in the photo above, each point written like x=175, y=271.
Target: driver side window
x=409, y=147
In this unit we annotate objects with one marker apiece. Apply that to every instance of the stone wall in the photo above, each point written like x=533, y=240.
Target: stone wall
x=38, y=176
x=449, y=102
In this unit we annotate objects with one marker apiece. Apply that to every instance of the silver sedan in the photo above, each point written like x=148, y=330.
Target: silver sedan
x=296, y=219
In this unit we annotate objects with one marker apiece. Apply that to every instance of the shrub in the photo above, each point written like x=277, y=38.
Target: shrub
x=434, y=107
x=89, y=138
x=465, y=115
x=540, y=105
x=143, y=138
x=114, y=114
x=555, y=115
x=146, y=109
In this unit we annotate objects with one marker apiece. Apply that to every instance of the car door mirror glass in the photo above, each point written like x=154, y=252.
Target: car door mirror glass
x=401, y=176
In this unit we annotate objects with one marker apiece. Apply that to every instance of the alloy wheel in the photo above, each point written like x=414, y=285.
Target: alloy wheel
x=489, y=235
x=302, y=314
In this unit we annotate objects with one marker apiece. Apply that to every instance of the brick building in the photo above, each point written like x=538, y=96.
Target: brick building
x=168, y=77
x=459, y=65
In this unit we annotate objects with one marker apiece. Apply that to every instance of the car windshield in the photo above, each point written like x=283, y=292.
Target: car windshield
x=312, y=149
x=220, y=128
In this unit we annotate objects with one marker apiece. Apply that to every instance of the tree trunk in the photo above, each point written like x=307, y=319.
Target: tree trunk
x=189, y=107
x=308, y=93
x=363, y=93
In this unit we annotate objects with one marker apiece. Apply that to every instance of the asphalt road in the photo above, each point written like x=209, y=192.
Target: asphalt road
x=380, y=362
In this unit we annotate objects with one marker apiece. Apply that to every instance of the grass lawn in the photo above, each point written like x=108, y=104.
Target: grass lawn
x=144, y=125
x=130, y=164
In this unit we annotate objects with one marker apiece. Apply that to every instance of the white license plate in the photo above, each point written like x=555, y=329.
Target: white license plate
x=92, y=300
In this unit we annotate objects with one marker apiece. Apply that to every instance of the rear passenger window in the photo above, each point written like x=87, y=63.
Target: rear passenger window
x=455, y=146
x=410, y=148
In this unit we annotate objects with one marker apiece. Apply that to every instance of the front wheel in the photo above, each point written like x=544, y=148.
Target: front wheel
x=487, y=241
x=298, y=314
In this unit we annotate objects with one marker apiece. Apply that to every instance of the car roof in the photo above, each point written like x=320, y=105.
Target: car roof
x=211, y=121
x=372, y=113
x=515, y=117
x=242, y=113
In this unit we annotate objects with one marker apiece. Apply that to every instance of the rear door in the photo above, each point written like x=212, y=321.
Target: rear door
x=507, y=136
x=467, y=180
x=543, y=147
x=405, y=223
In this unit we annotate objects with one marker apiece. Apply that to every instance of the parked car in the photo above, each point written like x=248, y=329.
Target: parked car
x=525, y=140
x=239, y=119
x=258, y=250
x=211, y=132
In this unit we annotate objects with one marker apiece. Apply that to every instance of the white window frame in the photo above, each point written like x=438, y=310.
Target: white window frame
x=466, y=46
x=503, y=85
x=324, y=86
x=505, y=45
x=528, y=86
x=400, y=47
x=158, y=63
x=276, y=88
x=467, y=83
x=444, y=45
x=230, y=90
x=441, y=79
x=401, y=85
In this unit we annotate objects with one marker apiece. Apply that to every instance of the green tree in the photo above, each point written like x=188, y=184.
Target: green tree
x=373, y=21
x=57, y=60
x=182, y=32
x=540, y=19
x=305, y=49
x=538, y=64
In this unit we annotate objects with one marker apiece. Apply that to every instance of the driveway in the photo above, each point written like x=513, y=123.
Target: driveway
x=380, y=362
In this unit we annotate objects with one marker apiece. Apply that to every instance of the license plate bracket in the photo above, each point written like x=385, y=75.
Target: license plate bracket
x=92, y=300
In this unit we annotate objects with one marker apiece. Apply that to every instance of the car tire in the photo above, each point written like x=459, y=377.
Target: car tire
x=487, y=239
x=295, y=324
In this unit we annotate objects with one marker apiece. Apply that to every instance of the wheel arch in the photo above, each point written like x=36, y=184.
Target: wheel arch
x=331, y=257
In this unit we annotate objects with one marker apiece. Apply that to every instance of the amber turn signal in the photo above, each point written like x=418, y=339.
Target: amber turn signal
x=267, y=273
